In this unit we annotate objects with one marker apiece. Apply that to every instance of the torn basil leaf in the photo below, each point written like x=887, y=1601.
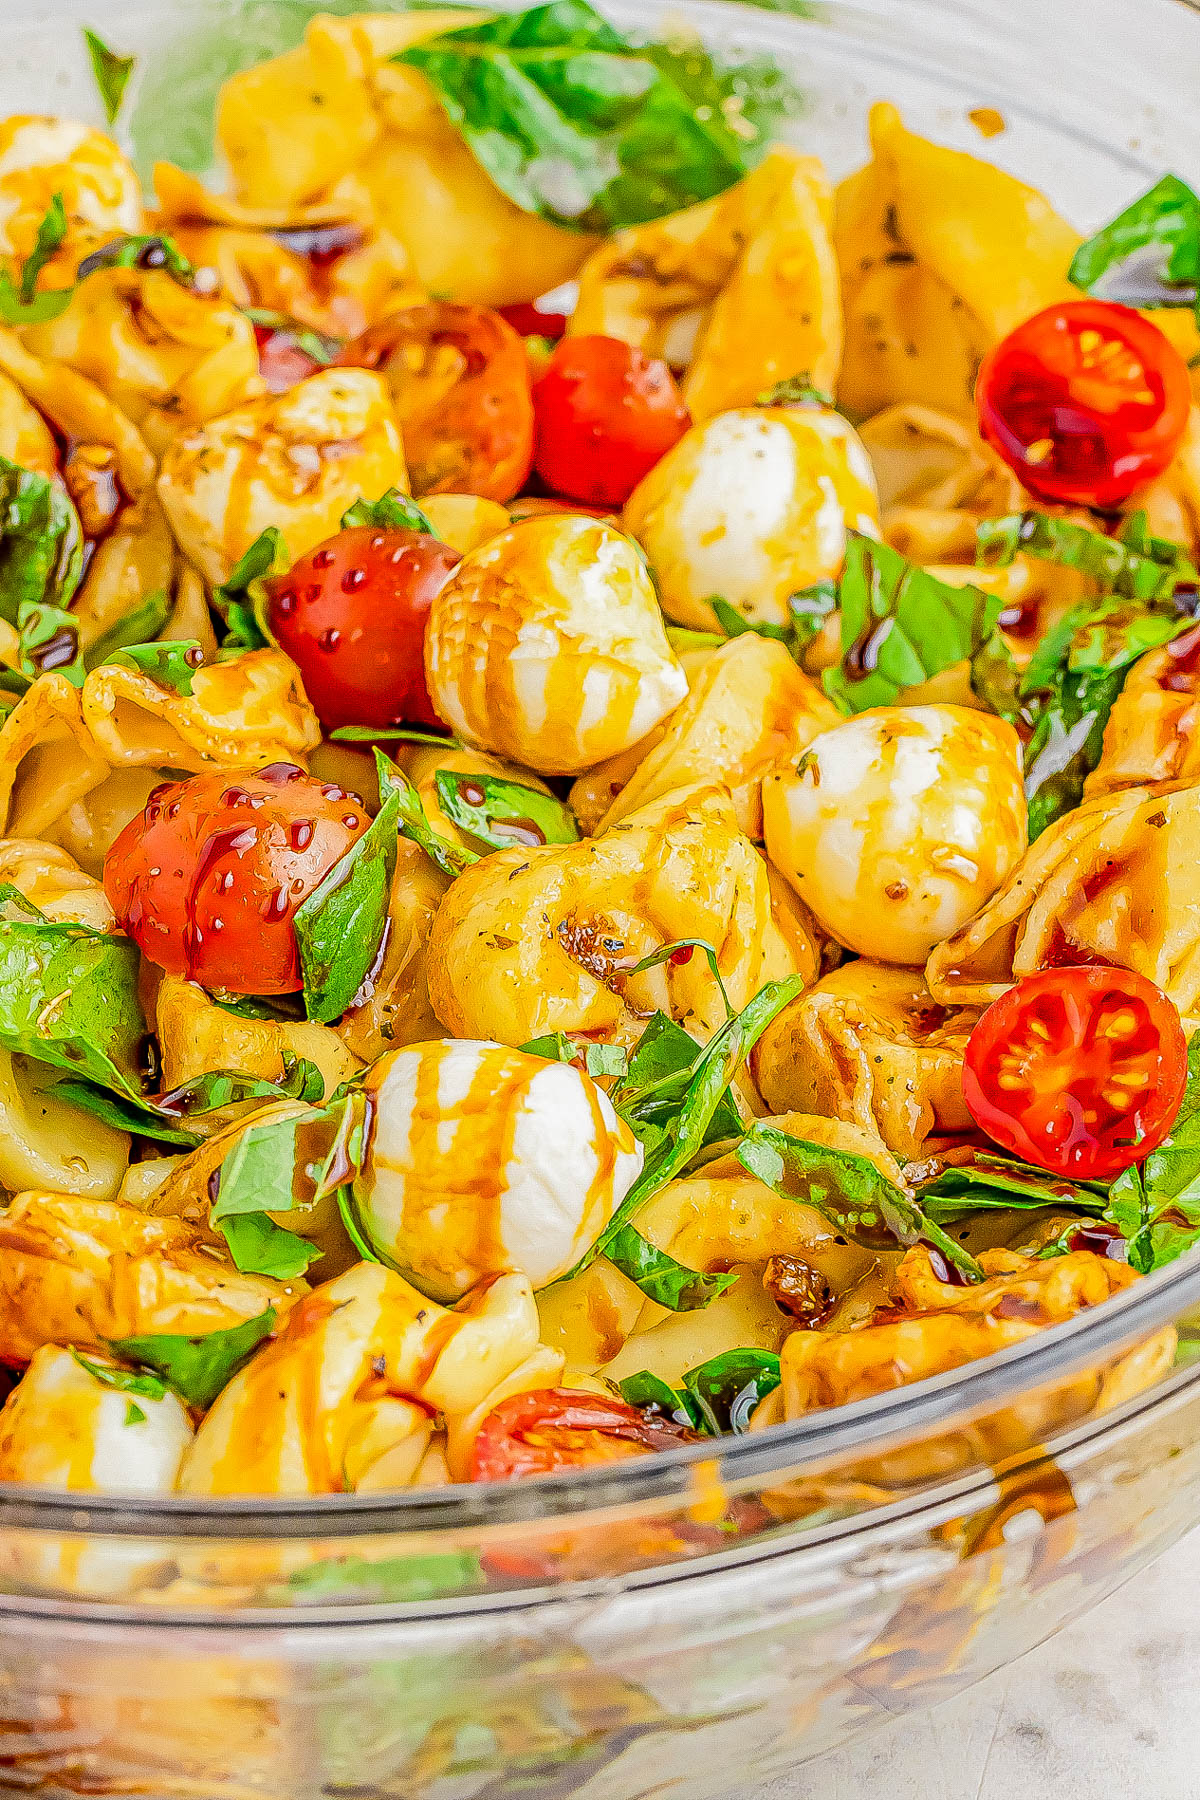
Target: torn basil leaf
x=597, y=1059
x=989, y=1182
x=242, y=600
x=123, y=1113
x=725, y=1390
x=49, y=642
x=797, y=390
x=660, y=1276
x=1156, y=1205
x=392, y=734
x=69, y=997
x=503, y=814
x=680, y=951
x=413, y=823
x=281, y=1166
x=41, y=541
x=390, y=1580
x=847, y=1190
x=21, y=303
x=112, y=72
x=145, y=251
x=651, y=1393
x=900, y=626
x=1135, y=565
x=134, y=628
x=259, y=1246
x=340, y=927
x=198, y=1368
x=574, y=123
x=125, y=1381
x=656, y=1080
x=171, y=665
x=393, y=511
x=1149, y=255
x=318, y=345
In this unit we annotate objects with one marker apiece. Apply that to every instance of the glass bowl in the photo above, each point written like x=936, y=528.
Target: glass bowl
x=693, y=1622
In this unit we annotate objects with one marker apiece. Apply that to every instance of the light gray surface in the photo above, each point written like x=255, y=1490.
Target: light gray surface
x=1105, y=1711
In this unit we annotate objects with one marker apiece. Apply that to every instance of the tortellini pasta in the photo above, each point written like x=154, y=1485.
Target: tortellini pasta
x=41, y=157
x=67, y=1427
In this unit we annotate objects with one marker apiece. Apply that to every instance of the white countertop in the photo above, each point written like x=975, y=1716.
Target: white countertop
x=1107, y=1710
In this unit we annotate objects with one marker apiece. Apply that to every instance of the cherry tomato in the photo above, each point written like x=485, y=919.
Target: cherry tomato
x=207, y=877
x=281, y=361
x=1085, y=402
x=605, y=415
x=461, y=382
x=529, y=320
x=551, y=1429
x=1078, y=1070
x=351, y=615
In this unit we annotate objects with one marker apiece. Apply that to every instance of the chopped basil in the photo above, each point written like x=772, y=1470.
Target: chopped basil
x=124, y=1113
x=283, y=1165
x=171, y=665
x=153, y=251
x=389, y=734
x=393, y=1580
x=1135, y=565
x=133, y=629
x=725, y=1390
x=847, y=1190
x=318, y=345
x=393, y=511
x=341, y=925
x=198, y=1368
x=504, y=814
x=573, y=122
x=69, y=997
x=900, y=626
x=413, y=823
x=598, y=1059
x=242, y=600
x=797, y=390
x=134, y=1414
x=988, y=1182
x=1149, y=255
x=20, y=303
x=1156, y=1205
x=125, y=1381
x=259, y=1246
x=219, y=1088
x=651, y=1393
x=656, y=1081
x=680, y=950
x=49, y=642
x=41, y=541
x=659, y=1276
x=112, y=72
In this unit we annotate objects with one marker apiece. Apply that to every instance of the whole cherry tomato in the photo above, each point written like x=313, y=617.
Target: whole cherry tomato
x=461, y=383
x=351, y=615
x=1086, y=402
x=1079, y=1070
x=551, y=1429
x=605, y=415
x=206, y=879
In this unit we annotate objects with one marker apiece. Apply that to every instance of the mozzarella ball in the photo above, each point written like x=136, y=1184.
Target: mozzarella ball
x=484, y=1159
x=41, y=157
x=897, y=826
x=751, y=506
x=64, y=1427
x=547, y=646
x=295, y=460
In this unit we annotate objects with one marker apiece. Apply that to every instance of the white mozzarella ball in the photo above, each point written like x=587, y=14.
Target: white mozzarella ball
x=41, y=157
x=897, y=826
x=752, y=506
x=484, y=1159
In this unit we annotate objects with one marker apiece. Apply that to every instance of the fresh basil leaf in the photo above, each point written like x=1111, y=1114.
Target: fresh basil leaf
x=735, y=624
x=989, y=1182
x=171, y=665
x=1149, y=255
x=651, y=1393
x=282, y=1009
x=1135, y=565
x=133, y=629
x=281, y=1166
x=574, y=123
x=809, y=608
x=847, y=1190
x=112, y=72
x=504, y=814
x=259, y=1246
x=393, y=511
x=387, y=734
x=656, y=1083
x=597, y=1059
x=41, y=541
x=605, y=1059
x=680, y=951
x=140, y=1118
x=134, y=1414
x=797, y=390
x=393, y=1580
x=1156, y=1205
x=680, y=638
x=125, y=1381
x=49, y=642
x=22, y=304
x=216, y=1089
x=660, y=1276
x=69, y=997
x=340, y=927
x=413, y=823
x=145, y=251
x=725, y=1390
x=242, y=600
x=996, y=680
x=900, y=625
x=318, y=345
x=555, y=1047
x=198, y=1368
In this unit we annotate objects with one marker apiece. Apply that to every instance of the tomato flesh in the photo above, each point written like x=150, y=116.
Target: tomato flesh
x=529, y=320
x=460, y=378
x=1086, y=402
x=206, y=879
x=351, y=615
x=552, y=1429
x=606, y=414
x=281, y=361
x=1078, y=1070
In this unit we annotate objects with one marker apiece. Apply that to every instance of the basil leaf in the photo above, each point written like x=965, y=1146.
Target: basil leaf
x=989, y=1182
x=69, y=997
x=393, y=1580
x=134, y=628
x=23, y=305
x=574, y=123
x=125, y=1381
x=387, y=734
x=145, y=251
x=652, y=1394
x=282, y=1009
x=847, y=1190
x=340, y=927
x=1149, y=255
x=259, y=1246
x=393, y=511
x=660, y=1276
x=171, y=665
x=219, y=1088
x=242, y=600
x=735, y=624
x=1135, y=565
x=680, y=951
x=1156, y=1206
x=504, y=814
x=284, y=1164
x=123, y=1113
x=134, y=1414
x=656, y=1082
x=680, y=638
x=605, y=1059
x=49, y=642
x=900, y=625
x=41, y=541
x=413, y=823
x=112, y=72
x=598, y=1059
x=809, y=608
x=318, y=345
x=996, y=680
x=198, y=1368
x=725, y=1390
x=797, y=390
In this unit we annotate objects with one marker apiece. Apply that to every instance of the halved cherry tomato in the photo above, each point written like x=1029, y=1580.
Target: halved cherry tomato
x=461, y=382
x=529, y=320
x=206, y=879
x=605, y=415
x=351, y=615
x=281, y=361
x=1079, y=1070
x=1086, y=402
x=551, y=1429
